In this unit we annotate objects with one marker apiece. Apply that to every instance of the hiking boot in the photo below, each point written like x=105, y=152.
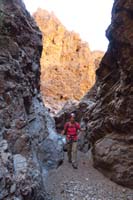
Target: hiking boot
x=75, y=166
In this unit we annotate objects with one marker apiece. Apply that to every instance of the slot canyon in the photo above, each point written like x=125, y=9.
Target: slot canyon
x=53, y=65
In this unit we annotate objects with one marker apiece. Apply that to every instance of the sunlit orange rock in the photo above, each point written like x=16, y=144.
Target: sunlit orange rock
x=67, y=64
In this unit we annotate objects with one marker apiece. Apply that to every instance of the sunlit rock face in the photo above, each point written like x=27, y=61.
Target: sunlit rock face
x=28, y=142
x=67, y=64
x=108, y=121
x=97, y=56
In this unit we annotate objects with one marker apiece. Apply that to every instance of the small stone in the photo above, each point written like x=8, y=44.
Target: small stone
x=71, y=195
x=5, y=157
x=3, y=145
x=20, y=163
x=13, y=188
x=62, y=191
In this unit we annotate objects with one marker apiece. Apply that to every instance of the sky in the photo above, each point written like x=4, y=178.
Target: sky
x=89, y=18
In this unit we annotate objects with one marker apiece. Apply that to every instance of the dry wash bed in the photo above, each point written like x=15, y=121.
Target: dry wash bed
x=85, y=183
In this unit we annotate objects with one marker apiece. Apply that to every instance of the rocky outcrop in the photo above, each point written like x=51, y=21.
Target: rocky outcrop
x=28, y=141
x=97, y=56
x=107, y=109
x=67, y=64
x=109, y=121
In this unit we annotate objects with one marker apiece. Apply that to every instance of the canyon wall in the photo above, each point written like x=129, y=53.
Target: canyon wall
x=67, y=64
x=28, y=141
x=105, y=112
x=108, y=120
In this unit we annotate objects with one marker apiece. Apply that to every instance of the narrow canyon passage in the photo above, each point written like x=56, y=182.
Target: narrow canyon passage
x=29, y=143
x=84, y=183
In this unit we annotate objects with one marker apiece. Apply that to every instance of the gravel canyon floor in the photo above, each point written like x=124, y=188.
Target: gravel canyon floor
x=85, y=183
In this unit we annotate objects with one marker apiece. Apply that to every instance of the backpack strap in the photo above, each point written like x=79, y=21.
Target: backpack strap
x=67, y=126
x=76, y=126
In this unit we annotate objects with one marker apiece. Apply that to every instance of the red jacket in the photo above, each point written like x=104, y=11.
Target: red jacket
x=71, y=130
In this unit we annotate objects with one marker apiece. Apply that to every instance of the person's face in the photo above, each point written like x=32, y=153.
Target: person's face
x=72, y=119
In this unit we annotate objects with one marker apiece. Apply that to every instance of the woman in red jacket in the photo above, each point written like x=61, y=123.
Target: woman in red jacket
x=71, y=130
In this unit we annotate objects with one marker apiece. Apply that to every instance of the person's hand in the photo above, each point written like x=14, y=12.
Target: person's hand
x=63, y=132
x=79, y=136
x=82, y=129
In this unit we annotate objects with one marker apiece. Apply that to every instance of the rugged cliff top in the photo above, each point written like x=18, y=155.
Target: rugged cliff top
x=67, y=64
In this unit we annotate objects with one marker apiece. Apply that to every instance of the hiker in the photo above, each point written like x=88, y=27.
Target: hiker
x=71, y=130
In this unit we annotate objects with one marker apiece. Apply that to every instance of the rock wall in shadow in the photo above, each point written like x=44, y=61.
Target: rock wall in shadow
x=109, y=120
x=106, y=110
x=28, y=141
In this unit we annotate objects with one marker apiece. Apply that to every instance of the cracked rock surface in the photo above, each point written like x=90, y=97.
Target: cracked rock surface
x=25, y=124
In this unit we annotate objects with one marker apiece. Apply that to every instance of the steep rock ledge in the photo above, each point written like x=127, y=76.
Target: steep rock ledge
x=28, y=141
x=67, y=64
